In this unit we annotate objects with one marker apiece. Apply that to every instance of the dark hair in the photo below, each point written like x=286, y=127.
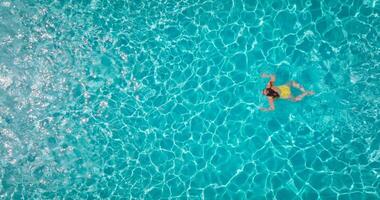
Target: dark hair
x=272, y=93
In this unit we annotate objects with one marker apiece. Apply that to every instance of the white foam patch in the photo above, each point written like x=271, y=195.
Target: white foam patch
x=354, y=78
x=6, y=4
x=93, y=4
x=5, y=82
x=309, y=34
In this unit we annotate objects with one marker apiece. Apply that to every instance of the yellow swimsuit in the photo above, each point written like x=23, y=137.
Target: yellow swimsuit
x=285, y=92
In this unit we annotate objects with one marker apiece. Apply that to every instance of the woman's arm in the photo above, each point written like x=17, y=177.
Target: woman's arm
x=271, y=105
x=272, y=79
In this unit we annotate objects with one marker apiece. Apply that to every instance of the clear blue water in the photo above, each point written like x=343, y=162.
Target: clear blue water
x=149, y=99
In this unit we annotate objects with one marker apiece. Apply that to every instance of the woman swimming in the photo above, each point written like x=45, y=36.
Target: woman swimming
x=283, y=91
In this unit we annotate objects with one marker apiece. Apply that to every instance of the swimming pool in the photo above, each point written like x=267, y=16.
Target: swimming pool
x=159, y=99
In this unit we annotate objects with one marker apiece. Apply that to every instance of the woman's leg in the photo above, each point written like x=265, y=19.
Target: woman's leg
x=302, y=89
x=300, y=97
x=297, y=85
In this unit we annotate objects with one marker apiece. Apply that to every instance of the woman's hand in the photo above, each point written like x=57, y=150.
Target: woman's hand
x=272, y=77
x=264, y=75
x=265, y=109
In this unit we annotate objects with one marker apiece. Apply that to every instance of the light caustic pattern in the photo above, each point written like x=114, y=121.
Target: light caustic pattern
x=159, y=99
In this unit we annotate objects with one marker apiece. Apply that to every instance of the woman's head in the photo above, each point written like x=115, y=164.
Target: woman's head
x=270, y=93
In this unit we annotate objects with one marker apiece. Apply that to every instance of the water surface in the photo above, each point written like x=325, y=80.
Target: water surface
x=159, y=99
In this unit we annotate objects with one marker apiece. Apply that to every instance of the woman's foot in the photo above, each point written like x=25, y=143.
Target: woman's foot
x=300, y=97
x=298, y=86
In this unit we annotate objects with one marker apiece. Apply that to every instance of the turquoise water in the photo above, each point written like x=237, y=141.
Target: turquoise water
x=148, y=99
